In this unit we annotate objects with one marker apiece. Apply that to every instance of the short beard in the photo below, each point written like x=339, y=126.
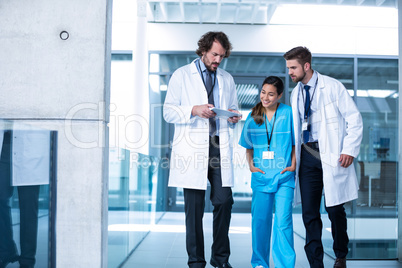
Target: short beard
x=301, y=78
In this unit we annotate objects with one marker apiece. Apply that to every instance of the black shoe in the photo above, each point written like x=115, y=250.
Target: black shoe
x=214, y=263
x=340, y=263
x=5, y=262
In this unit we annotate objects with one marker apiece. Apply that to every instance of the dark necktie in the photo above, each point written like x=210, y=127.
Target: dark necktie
x=210, y=87
x=306, y=133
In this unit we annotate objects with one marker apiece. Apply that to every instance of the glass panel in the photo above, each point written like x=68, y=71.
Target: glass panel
x=168, y=63
x=133, y=181
x=134, y=186
x=248, y=91
x=254, y=65
x=338, y=68
x=26, y=176
x=236, y=64
x=377, y=99
x=122, y=57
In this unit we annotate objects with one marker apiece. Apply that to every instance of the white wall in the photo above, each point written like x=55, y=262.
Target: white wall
x=278, y=38
x=258, y=38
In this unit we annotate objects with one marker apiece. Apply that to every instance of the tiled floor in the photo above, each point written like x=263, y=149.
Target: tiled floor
x=164, y=247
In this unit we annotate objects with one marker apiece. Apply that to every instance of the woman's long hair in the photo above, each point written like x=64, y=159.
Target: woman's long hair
x=258, y=110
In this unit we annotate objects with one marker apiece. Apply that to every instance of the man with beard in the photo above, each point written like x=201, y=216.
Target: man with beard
x=328, y=132
x=201, y=145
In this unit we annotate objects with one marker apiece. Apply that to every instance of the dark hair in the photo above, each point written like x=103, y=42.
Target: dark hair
x=258, y=110
x=301, y=54
x=206, y=41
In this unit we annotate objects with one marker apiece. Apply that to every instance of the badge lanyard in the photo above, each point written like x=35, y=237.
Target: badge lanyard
x=306, y=109
x=269, y=154
x=202, y=76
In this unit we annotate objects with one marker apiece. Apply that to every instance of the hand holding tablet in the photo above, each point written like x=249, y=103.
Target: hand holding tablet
x=224, y=113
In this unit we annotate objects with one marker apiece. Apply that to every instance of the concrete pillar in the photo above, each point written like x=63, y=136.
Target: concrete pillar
x=55, y=74
x=140, y=59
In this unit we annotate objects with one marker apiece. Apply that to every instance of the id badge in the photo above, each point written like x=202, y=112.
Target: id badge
x=304, y=125
x=268, y=155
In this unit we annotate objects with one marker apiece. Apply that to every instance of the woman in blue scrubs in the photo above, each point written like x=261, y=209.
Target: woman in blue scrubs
x=268, y=137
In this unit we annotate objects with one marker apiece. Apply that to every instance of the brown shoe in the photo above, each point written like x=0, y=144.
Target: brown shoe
x=340, y=263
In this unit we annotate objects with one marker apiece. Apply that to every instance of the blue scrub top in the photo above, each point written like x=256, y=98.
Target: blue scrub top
x=254, y=136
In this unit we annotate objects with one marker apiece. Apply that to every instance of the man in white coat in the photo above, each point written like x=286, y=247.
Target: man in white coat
x=25, y=164
x=202, y=149
x=328, y=133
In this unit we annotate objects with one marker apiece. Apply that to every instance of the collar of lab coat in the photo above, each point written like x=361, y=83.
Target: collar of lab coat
x=194, y=69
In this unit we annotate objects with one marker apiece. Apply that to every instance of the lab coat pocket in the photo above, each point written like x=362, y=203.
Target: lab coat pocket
x=332, y=139
x=331, y=111
x=197, y=136
x=339, y=173
x=199, y=123
x=333, y=126
x=335, y=164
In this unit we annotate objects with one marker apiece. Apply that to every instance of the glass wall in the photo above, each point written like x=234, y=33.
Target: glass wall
x=27, y=195
x=136, y=188
x=133, y=195
x=377, y=98
x=373, y=83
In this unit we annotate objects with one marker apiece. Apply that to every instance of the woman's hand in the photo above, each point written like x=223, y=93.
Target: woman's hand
x=291, y=169
x=249, y=155
x=254, y=169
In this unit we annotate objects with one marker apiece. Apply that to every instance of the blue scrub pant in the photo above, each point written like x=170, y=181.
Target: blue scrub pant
x=282, y=241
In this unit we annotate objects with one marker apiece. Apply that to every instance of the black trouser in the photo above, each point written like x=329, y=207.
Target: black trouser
x=28, y=197
x=311, y=185
x=194, y=203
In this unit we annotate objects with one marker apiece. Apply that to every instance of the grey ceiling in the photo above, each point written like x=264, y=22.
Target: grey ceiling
x=235, y=11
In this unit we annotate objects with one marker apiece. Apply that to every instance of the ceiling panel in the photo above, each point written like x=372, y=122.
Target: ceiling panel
x=235, y=11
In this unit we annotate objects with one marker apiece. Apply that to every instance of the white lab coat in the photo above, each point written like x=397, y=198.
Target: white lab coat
x=30, y=159
x=340, y=131
x=189, y=159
